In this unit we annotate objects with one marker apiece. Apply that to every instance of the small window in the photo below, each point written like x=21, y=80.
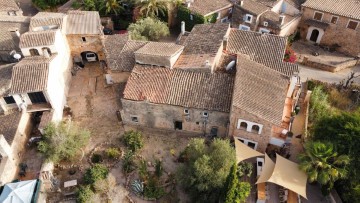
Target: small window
x=334, y=19
x=263, y=30
x=134, y=119
x=255, y=129
x=318, y=16
x=34, y=52
x=266, y=24
x=352, y=24
x=12, y=13
x=243, y=125
x=205, y=114
x=230, y=10
x=241, y=140
x=178, y=125
x=244, y=27
x=191, y=17
x=83, y=39
x=224, y=20
x=186, y=111
x=251, y=145
x=46, y=50
x=248, y=18
x=9, y=100
x=197, y=123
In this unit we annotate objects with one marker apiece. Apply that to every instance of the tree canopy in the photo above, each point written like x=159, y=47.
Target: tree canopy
x=152, y=8
x=206, y=170
x=63, y=141
x=148, y=29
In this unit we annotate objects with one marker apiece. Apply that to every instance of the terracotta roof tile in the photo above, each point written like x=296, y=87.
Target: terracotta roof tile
x=8, y=41
x=5, y=78
x=316, y=23
x=207, y=7
x=9, y=125
x=266, y=49
x=47, y=19
x=159, y=49
x=83, y=22
x=30, y=75
x=259, y=90
x=180, y=88
x=8, y=5
x=254, y=7
x=39, y=38
x=347, y=8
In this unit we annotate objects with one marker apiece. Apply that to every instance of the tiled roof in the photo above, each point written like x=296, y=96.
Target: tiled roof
x=9, y=125
x=120, y=50
x=180, y=88
x=316, y=23
x=47, y=19
x=30, y=75
x=273, y=19
x=254, y=7
x=295, y=3
x=39, y=38
x=202, y=44
x=159, y=49
x=206, y=7
x=8, y=42
x=259, y=90
x=83, y=22
x=5, y=78
x=347, y=8
x=8, y=5
x=268, y=3
x=266, y=49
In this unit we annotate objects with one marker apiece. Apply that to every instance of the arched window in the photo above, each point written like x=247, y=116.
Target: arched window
x=255, y=129
x=243, y=125
x=46, y=51
x=34, y=52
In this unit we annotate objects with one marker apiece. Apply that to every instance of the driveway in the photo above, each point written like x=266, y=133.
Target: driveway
x=27, y=7
x=325, y=76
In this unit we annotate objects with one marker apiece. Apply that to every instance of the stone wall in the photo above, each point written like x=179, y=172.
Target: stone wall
x=93, y=43
x=337, y=33
x=238, y=18
x=163, y=116
x=327, y=67
x=262, y=139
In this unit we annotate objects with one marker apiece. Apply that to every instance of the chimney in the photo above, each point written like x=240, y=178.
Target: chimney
x=282, y=19
x=225, y=40
x=46, y=53
x=182, y=27
x=242, y=3
x=17, y=33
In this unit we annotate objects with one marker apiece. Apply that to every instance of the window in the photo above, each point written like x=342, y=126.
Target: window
x=205, y=114
x=37, y=97
x=83, y=39
x=197, y=123
x=352, y=24
x=249, y=143
x=243, y=125
x=186, y=111
x=334, y=19
x=255, y=129
x=318, y=16
x=34, y=52
x=266, y=23
x=9, y=100
x=244, y=27
x=178, y=125
x=12, y=13
x=263, y=30
x=224, y=20
x=46, y=51
x=134, y=119
x=230, y=10
x=191, y=17
x=248, y=18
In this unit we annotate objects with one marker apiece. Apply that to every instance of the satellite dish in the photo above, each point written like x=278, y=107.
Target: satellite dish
x=17, y=56
x=231, y=65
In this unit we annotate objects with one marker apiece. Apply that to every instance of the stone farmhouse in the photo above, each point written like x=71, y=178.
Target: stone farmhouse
x=222, y=8
x=280, y=17
x=332, y=23
x=10, y=8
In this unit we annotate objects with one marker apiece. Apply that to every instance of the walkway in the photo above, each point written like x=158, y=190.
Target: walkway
x=27, y=7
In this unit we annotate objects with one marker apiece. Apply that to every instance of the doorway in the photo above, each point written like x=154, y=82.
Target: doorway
x=314, y=35
x=178, y=125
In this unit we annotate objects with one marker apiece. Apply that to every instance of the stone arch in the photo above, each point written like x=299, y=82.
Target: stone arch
x=311, y=31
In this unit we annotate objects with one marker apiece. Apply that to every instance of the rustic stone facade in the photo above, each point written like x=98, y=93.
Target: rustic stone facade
x=262, y=139
x=83, y=43
x=164, y=116
x=238, y=18
x=333, y=34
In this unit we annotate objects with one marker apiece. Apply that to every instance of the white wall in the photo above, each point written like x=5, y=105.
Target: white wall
x=277, y=7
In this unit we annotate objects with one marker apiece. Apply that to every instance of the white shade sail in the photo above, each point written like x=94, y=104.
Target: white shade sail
x=267, y=170
x=244, y=152
x=20, y=192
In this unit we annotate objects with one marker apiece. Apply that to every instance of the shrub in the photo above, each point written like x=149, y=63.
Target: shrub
x=290, y=55
x=84, y=194
x=96, y=158
x=128, y=162
x=152, y=190
x=158, y=168
x=319, y=104
x=133, y=140
x=95, y=173
x=143, y=172
x=148, y=29
x=105, y=185
x=113, y=153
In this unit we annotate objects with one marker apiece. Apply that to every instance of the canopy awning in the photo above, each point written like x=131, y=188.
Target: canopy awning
x=20, y=192
x=244, y=152
x=267, y=170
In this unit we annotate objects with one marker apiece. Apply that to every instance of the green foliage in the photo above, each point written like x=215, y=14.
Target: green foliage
x=235, y=191
x=152, y=190
x=184, y=13
x=158, y=168
x=112, y=153
x=319, y=104
x=48, y=4
x=62, y=141
x=76, y=5
x=95, y=173
x=322, y=164
x=245, y=169
x=112, y=6
x=143, y=171
x=84, y=194
x=207, y=168
x=133, y=140
x=148, y=29
x=128, y=162
x=152, y=8
x=104, y=186
x=96, y=158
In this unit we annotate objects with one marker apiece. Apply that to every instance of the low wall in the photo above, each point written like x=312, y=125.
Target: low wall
x=327, y=67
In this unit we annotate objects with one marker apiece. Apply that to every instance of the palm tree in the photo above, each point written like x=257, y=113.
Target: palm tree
x=112, y=6
x=322, y=164
x=152, y=8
